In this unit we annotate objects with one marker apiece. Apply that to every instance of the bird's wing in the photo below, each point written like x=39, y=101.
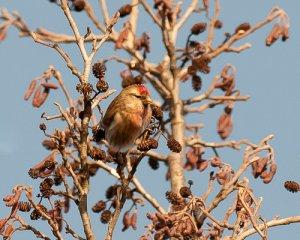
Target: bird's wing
x=110, y=113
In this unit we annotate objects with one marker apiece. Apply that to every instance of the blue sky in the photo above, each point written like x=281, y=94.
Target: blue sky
x=270, y=75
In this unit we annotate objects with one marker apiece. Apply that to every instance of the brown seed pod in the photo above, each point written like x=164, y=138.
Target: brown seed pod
x=153, y=163
x=242, y=28
x=111, y=191
x=84, y=88
x=193, y=156
x=79, y=5
x=285, y=33
x=36, y=96
x=8, y=231
x=148, y=144
x=99, y=69
x=123, y=36
x=49, y=85
x=268, y=178
x=134, y=219
x=225, y=125
x=261, y=166
x=218, y=24
x=102, y=86
x=292, y=186
x=270, y=38
x=7, y=198
x=44, y=96
x=205, y=4
x=39, y=98
x=3, y=35
x=192, y=70
x=30, y=89
x=202, y=165
x=105, y=216
x=185, y=192
x=223, y=177
x=196, y=83
x=48, y=144
x=198, y=28
x=15, y=198
x=157, y=113
x=2, y=224
x=202, y=63
x=174, y=145
x=125, y=10
x=126, y=221
x=24, y=206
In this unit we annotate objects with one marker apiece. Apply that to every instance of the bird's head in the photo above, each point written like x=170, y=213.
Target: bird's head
x=139, y=91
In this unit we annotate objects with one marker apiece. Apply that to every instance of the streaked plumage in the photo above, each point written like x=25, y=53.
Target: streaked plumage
x=127, y=117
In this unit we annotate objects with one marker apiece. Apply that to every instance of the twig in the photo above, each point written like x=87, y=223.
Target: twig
x=52, y=223
x=26, y=226
x=67, y=59
x=186, y=15
x=79, y=39
x=147, y=196
x=212, y=24
x=104, y=11
x=90, y=12
x=150, y=12
x=104, y=96
x=58, y=77
x=273, y=14
x=272, y=223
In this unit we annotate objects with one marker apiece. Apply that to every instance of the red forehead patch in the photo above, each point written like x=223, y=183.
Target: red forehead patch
x=143, y=90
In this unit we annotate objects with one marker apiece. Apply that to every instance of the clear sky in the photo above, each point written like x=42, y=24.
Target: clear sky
x=270, y=75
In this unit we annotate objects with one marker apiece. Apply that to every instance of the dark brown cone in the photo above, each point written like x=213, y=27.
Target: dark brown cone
x=99, y=206
x=111, y=191
x=185, y=192
x=196, y=83
x=98, y=134
x=148, y=144
x=99, y=70
x=192, y=70
x=97, y=154
x=292, y=186
x=43, y=126
x=157, y=113
x=153, y=163
x=84, y=88
x=218, y=24
x=125, y=10
x=48, y=144
x=174, y=145
x=79, y=5
x=24, y=206
x=198, y=28
x=102, y=86
x=105, y=216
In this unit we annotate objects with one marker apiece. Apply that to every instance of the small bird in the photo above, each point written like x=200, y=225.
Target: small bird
x=127, y=117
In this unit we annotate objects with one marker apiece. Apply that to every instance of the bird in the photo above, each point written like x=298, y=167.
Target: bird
x=126, y=118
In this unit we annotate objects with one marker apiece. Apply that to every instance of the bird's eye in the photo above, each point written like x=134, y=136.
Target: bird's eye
x=138, y=96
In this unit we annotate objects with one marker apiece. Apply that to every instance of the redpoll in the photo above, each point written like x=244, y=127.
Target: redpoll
x=127, y=117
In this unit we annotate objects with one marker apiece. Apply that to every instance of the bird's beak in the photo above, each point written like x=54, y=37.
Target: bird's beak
x=147, y=100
